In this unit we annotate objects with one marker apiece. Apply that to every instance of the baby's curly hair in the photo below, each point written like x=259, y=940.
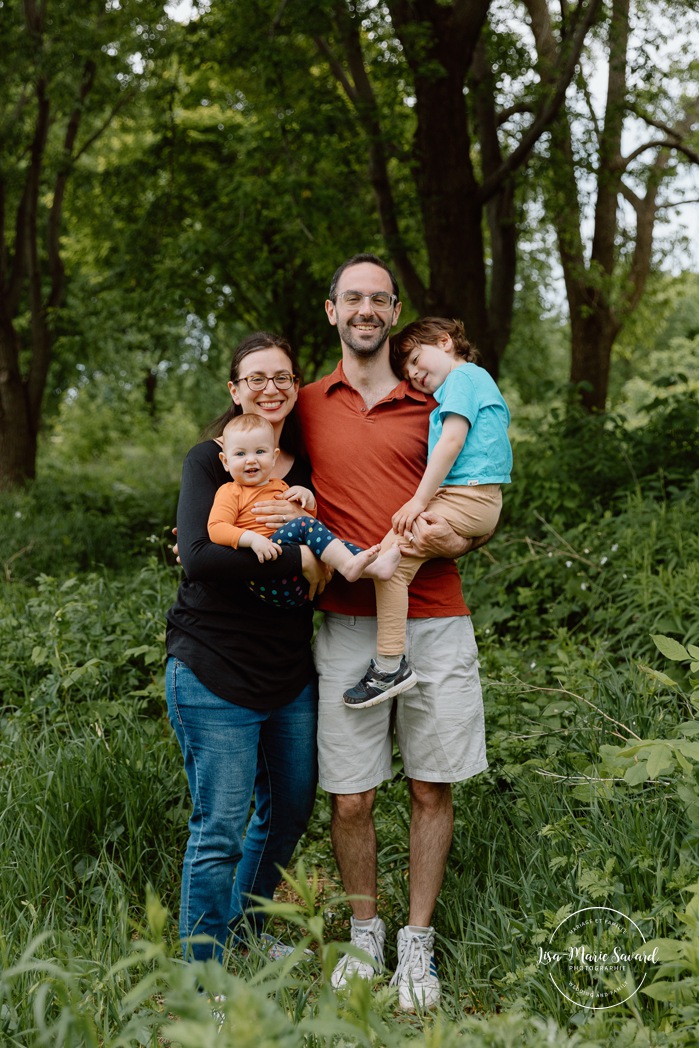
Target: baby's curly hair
x=429, y=331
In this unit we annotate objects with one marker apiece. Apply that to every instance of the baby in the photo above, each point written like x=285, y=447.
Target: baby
x=249, y=455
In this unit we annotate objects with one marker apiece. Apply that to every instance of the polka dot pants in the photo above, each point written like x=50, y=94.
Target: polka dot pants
x=292, y=591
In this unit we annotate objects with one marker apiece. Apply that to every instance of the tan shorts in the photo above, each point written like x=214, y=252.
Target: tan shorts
x=439, y=725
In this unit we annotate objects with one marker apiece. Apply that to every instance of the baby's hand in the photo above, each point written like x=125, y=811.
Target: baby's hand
x=304, y=496
x=265, y=548
x=404, y=518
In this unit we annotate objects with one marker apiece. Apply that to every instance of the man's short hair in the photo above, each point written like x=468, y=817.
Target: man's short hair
x=356, y=260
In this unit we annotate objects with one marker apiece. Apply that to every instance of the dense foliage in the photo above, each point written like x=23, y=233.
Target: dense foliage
x=164, y=187
x=585, y=608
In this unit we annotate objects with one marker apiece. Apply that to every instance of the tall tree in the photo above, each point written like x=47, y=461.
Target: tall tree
x=67, y=70
x=605, y=282
x=466, y=153
x=212, y=209
x=489, y=86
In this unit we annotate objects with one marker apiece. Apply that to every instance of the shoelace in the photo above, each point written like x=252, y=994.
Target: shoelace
x=365, y=939
x=415, y=961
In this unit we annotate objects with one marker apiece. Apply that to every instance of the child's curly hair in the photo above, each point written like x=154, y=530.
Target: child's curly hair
x=429, y=331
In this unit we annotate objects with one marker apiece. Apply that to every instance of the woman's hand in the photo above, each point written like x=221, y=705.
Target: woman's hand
x=316, y=574
x=276, y=511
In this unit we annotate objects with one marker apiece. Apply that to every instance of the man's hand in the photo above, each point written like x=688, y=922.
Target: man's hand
x=276, y=511
x=316, y=573
x=434, y=537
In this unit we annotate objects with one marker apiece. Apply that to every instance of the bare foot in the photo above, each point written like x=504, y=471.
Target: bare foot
x=358, y=565
x=384, y=566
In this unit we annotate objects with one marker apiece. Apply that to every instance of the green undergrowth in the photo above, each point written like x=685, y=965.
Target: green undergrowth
x=587, y=627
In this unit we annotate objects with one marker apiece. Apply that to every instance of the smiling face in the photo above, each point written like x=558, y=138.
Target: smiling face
x=271, y=403
x=248, y=454
x=363, y=329
x=428, y=365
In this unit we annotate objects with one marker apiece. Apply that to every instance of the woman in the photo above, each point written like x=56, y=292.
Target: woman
x=240, y=681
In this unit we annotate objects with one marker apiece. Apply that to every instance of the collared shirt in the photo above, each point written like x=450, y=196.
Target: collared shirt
x=366, y=462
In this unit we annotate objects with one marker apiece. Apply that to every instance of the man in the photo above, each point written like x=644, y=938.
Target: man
x=366, y=434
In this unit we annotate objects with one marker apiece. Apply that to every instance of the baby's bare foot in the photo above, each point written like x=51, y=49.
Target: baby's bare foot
x=360, y=565
x=384, y=566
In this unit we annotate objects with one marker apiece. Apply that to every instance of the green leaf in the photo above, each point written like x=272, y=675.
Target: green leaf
x=554, y=709
x=670, y=648
x=662, y=678
x=666, y=991
x=637, y=773
x=660, y=759
x=667, y=949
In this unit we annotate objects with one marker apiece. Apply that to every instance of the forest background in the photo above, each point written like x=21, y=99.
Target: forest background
x=168, y=184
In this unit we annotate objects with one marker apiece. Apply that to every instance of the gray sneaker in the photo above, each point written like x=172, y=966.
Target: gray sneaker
x=276, y=950
x=416, y=974
x=370, y=938
x=376, y=686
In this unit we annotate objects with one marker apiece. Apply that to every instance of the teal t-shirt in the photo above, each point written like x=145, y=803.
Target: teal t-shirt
x=486, y=457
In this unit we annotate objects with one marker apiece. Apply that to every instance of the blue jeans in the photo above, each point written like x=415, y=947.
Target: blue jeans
x=232, y=754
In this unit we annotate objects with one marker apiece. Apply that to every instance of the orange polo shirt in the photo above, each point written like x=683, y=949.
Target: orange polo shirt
x=365, y=463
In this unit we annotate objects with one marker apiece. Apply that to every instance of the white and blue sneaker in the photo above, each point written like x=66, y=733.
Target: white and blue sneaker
x=416, y=974
x=369, y=936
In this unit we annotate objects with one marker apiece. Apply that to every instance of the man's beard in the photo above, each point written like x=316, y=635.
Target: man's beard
x=363, y=346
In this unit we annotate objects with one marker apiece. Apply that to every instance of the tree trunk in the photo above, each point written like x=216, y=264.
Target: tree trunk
x=593, y=333
x=452, y=212
x=448, y=191
x=17, y=429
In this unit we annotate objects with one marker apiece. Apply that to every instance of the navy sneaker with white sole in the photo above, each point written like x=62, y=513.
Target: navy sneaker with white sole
x=375, y=686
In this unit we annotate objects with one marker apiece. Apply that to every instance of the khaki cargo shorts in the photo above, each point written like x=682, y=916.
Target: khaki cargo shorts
x=438, y=725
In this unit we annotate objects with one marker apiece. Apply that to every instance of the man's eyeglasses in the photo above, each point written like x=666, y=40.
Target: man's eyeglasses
x=282, y=380
x=380, y=300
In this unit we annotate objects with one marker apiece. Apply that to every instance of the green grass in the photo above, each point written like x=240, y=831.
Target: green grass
x=569, y=814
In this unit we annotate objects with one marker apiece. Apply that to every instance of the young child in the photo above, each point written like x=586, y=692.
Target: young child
x=249, y=455
x=469, y=457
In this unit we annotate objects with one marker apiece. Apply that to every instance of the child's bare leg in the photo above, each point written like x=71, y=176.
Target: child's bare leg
x=369, y=563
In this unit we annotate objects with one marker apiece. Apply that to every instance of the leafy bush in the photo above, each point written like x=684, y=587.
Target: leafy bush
x=601, y=584
x=106, y=493
x=80, y=643
x=575, y=467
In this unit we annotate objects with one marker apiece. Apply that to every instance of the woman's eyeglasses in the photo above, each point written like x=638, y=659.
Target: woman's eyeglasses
x=282, y=380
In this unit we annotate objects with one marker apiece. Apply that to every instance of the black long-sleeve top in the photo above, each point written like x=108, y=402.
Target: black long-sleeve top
x=241, y=648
